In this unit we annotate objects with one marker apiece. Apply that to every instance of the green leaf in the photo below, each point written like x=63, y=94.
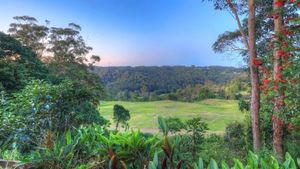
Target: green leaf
x=163, y=125
x=252, y=160
x=289, y=162
x=224, y=165
x=213, y=164
x=264, y=165
x=69, y=137
x=200, y=164
x=238, y=164
x=155, y=159
x=274, y=163
x=152, y=165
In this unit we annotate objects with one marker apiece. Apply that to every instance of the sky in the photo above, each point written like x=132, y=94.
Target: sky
x=137, y=32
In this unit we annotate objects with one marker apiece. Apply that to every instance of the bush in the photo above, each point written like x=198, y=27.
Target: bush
x=174, y=124
x=41, y=107
x=215, y=147
x=235, y=139
x=94, y=147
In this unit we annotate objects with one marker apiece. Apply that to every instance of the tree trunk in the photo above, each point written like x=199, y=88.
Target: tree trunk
x=117, y=125
x=279, y=100
x=251, y=46
x=255, y=92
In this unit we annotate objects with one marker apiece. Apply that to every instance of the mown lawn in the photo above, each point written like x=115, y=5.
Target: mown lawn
x=217, y=113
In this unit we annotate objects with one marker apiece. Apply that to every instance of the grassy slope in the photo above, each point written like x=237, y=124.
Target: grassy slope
x=217, y=113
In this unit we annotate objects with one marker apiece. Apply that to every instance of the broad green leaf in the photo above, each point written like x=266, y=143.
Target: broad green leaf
x=289, y=162
x=274, y=163
x=225, y=165
x=213, y=164
x=163, y=125
x=200, y=164
x=238, y=164
x=252, y=160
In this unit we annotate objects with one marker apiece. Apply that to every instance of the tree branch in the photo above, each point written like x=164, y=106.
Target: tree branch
x=237, y=18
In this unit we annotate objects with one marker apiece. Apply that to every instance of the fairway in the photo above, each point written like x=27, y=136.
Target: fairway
x=217, y=113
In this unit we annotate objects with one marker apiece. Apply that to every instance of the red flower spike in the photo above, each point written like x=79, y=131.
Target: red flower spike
x=279, y=3
x=286, y=32
x=279, y=76
x=292, y=1
x=284, y=81
x=257, y=62
x=266, y=81
x=279, y=53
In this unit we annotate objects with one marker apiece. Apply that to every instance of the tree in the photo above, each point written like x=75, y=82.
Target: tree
x=249, y=42
x=197, y=128
x=174, y=124
x=255, y=91
x=279, y=100
x=121, y=115
x=42, y=107
x=18, y=64
x=29, y=33
x=235, y=138
x=66, y=52
x=67, y=45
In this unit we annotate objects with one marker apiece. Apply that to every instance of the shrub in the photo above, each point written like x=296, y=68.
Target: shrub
x=41, y=107
x=235, y=139
x=174, y=124
x=94, y=147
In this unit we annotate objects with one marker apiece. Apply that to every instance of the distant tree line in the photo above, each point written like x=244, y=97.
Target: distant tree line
x=171, y=82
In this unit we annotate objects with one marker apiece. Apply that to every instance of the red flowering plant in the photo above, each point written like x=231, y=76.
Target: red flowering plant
x=287, y=43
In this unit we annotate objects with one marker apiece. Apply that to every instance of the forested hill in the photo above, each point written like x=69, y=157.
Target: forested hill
x=164, y=79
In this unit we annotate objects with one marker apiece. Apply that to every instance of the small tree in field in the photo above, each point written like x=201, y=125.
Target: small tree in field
x=121, y=115
x=175, y=124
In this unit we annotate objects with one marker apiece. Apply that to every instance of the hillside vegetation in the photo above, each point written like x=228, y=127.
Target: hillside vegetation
x=151, y=82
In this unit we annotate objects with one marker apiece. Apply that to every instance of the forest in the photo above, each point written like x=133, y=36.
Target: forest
x=54, y=97
x=169, y=82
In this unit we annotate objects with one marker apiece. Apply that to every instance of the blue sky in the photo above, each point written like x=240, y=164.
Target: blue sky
x=136, y=32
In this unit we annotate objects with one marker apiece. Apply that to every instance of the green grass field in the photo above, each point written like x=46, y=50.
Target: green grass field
x=217, y=113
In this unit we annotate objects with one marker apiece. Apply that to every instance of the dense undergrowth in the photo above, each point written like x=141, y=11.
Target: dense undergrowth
x=95, y=147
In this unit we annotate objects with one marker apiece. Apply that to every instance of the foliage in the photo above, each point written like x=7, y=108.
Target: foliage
x=244, y=105
x=63, y=49
x=121, y=115
x=94, y=147
x=197, y=128
x=47, y=107
x=78, y=73
x=139, y=83
x=234, y=138
x=174, y=124
x=215, y=147
x=18, y=64
x=253, y=162
x=29, y=33
x=67, y=45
